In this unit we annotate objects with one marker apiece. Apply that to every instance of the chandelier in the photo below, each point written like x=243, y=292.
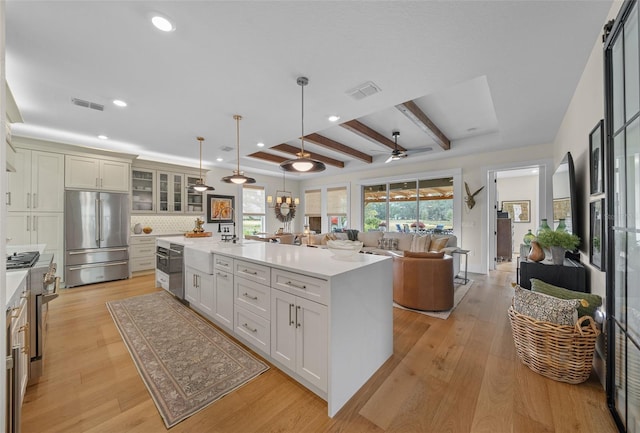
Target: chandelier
x=303, y=163
x=283, y=203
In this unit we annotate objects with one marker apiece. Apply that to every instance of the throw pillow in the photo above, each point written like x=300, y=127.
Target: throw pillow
x=370, y=239
x=329, y=237
x=438, y=244
x=420, y=243
x=592, y=301
x=545, y=308
x=424, y=255
x=388, y=244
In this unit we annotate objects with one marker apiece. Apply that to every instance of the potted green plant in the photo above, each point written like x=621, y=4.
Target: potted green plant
x=558, y=242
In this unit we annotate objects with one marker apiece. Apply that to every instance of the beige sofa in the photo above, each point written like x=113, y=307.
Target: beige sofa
x=383, y=243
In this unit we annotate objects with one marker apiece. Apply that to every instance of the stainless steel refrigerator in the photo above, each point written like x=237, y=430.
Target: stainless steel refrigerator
x=96, y=237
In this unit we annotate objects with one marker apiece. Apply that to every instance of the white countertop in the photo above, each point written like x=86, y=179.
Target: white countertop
x=311, y=261
x=14, y=279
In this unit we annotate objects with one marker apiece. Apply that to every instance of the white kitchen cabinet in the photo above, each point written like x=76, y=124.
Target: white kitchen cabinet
x=24, y=228
x=143, y=187
x=199, y=290
x=143, y=253
x=92, y=173
x=195, y=200
x=38, y=182
x=223, y=302
x=171, y=191
x=20, y=339
x=299, y=336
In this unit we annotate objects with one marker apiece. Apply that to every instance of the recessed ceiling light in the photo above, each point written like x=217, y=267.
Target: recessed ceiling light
x=261, y=144
x=119, y=103
x=103, y=137
x=219, y=159
x=162, y=23
x=334, y=118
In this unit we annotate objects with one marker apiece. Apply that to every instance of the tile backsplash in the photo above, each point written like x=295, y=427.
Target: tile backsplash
x=162, y=224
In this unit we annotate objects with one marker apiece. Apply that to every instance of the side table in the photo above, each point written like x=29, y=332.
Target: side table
x=464, y=253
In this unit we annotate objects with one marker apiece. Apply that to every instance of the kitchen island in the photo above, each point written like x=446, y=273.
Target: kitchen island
x=324, y=321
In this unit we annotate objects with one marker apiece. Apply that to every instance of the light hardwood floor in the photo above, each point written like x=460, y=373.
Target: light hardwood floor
x=456, y=375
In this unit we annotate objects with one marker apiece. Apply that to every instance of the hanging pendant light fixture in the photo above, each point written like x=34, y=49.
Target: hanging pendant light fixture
x=238, y=176
x=303, y=163
x=200, y=186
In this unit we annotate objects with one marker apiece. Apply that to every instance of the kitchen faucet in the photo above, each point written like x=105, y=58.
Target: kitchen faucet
x=233, y=238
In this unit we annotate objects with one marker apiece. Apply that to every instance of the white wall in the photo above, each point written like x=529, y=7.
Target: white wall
x=584, y=112
x=518, y=189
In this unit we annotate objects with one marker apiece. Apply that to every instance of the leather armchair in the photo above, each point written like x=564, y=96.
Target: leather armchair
x=423, y=283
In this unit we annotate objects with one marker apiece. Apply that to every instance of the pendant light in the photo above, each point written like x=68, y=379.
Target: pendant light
x=238, y=176
x=303, y=163
x=200, y=186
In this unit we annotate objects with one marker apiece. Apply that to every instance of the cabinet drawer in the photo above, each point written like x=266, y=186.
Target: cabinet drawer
x=252, y=271
x=162, y=280
x=142, y=263
x=223, y=263
x=143, y=251
x=255, y=330
x=140, y=240
x=311, y=288
x=254, y=297
x=198, y=259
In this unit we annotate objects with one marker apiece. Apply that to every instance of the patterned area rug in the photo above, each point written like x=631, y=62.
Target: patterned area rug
x=184, y=361
x=459, y=290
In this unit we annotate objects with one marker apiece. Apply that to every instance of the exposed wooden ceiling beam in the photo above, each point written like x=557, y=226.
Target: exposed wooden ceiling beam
x=338, y=147
x=364, y=131
x=417, y=116
x=265, y=156
x=287, y=148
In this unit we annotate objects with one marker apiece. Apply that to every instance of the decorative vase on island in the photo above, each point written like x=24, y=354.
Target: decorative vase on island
x=137, y=229
x=528, y=237
x=537, y=253
x=562, y=226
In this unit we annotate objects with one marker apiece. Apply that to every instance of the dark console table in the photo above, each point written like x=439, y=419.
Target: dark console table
x=570, y=275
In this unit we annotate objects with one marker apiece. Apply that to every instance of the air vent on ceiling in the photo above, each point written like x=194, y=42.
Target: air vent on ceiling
x=364, y=90
x=226, y=148
x=87, y=104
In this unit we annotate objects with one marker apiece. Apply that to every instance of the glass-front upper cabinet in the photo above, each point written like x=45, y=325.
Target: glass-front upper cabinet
x=194, y=199
x=142, y=190
x=170, y=192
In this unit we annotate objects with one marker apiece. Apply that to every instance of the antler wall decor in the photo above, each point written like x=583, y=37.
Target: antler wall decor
x=469, y=199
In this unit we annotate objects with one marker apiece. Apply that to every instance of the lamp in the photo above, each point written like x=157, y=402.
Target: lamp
x=200, y=186
x=238, y=176
x=283, y=196
x=303, y=163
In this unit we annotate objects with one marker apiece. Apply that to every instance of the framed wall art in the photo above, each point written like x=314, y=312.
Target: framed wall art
x=596, y=159
x=597, y=241
x=220, y=208
x=518, y=210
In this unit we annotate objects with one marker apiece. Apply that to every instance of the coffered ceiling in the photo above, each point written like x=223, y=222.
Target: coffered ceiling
x=454, y=77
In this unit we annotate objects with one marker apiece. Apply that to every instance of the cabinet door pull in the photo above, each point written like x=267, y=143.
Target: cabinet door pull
x=28, y=223
x=97, y=182
x=253, y=298
x=9, y=198
x=35, y=200
x=290, y=318
x=247, y=271
x=245, y=325
x=222, y=263
x=28, y=200
x=297, y=321
x=290, y=284
x=220, y=274
x=35, y=223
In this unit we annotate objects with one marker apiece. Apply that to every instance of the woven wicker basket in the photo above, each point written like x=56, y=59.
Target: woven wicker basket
x=559, y=352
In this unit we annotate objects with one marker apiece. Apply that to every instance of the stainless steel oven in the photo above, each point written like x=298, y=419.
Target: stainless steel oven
x=169, y=268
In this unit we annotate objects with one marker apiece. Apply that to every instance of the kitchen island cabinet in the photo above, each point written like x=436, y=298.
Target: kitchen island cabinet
x=343, y=331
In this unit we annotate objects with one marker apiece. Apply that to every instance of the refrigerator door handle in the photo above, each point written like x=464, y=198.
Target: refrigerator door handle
x=96, y=250
x=101, y=233
x=97, y=220
x=96, y=265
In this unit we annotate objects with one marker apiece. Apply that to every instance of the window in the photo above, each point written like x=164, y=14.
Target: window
x=337, y=208
x=312, y=210
x=253, y=209
x=412, y=206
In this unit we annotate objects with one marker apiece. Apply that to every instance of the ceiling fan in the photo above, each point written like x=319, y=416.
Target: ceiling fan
x=397, y=154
